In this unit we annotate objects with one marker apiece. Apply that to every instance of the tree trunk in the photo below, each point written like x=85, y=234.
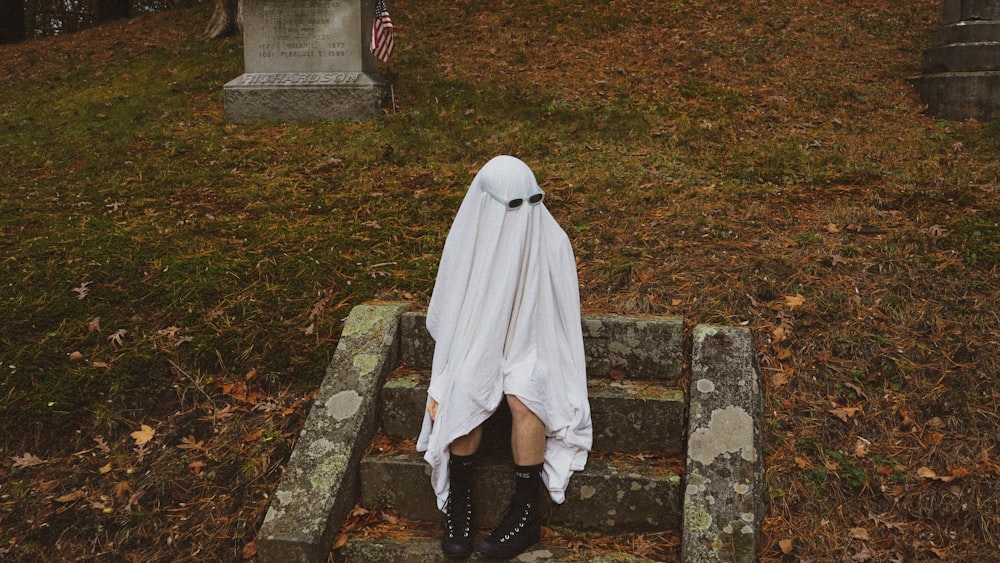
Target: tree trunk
x=12, y=27
x=227, y=19
x=107, y=10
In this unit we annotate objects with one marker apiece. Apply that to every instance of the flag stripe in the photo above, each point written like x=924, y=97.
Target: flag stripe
x=382, y=36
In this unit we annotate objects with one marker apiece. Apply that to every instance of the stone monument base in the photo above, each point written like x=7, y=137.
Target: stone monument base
x=961, y=95
x=289, y=96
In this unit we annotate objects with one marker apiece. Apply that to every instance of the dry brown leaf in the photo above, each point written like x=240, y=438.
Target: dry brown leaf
x=121, y=489
x=94, y=325
x=860, y=534
x=197, y=466
x=71, y=497
x=793, y=301
x=106, y=468
x=117, y=337
x=784, y=354
x=101, y=444
x=76, y=357
x=143, y=435
x=844, y=413
x=83, y=290
x=190, y=443
x=860, y=447
x=780, y=378
x=28, y=460
x=250, y=550
x=787, y=545
x=956, y=473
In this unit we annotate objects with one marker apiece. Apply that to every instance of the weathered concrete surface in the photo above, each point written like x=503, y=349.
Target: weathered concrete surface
x=428, y=550
x=608, y=496
x=724, y=484
x=961, y=70
x=635, y=347
x=320, y=482
x=628, y=416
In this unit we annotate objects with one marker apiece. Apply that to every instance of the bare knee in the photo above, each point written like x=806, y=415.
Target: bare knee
x=518, y=410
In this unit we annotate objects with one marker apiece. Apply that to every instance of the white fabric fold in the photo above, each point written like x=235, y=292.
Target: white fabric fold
x=505, y=317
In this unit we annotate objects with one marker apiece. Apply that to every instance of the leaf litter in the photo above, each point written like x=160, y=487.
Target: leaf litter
x=758, y=187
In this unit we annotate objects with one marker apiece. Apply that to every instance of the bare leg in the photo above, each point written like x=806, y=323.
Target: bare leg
x=527, y=434
x=468, y=444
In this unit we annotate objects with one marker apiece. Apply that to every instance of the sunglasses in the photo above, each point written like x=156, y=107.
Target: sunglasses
x=514, y=203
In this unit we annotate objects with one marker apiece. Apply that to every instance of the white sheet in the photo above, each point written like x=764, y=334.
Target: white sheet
x=505, y=317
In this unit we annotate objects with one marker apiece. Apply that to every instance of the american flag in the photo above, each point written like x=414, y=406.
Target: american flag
x=382, y=33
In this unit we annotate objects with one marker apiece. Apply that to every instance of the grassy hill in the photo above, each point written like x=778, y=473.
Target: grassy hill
x=171, y=285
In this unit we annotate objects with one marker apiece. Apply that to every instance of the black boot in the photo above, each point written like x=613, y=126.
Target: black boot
x=521, y=526
x=457, y=542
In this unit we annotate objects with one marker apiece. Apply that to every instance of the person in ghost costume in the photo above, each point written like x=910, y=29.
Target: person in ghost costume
x=505, y=318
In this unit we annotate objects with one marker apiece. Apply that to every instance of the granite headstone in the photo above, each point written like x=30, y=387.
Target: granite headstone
x=307, y=59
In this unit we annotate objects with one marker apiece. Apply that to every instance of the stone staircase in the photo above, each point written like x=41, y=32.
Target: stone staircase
x=662, y=460
x=639, y=411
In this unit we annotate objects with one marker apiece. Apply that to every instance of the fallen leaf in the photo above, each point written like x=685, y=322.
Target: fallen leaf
x=121, y=489
x=793, y=301
x=101, y=444
x=99, y=364
x=783, y=353
x=190, y=443
x=83, y=290
x=71, y=497
x=250, y=550
x=860, y=447
x=105, y=468
x=844, y=413
x=143, y=435
x=94, y=325
x=832, y=228
x=117, y=336
x=76, y=357
x=786, y=545
x=28, y=460
x=860, y=534
x=956, y=473
x=341, y=541
x=937, y=231
x=197, y=466
x=308, y=331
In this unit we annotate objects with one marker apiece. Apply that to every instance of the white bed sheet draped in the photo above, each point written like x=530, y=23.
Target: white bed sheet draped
x=505, y=317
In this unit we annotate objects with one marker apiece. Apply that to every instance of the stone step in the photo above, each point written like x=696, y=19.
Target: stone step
x=610, y=494
x=963, y=57
x=628, y=416
x=967, y=32
x=961, y=95
x=969, y=10
x=428, y=550
x=632, y=347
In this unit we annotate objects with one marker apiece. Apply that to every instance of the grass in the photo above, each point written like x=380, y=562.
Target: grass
x=707, y=161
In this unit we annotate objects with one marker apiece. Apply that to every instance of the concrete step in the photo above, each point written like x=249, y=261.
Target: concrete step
x=610, y=494
x=632, y=347
x=967, y=32
x=428, y=550
x=963, y=57
x=961, y=95
x=628, y=416
x=969, y=10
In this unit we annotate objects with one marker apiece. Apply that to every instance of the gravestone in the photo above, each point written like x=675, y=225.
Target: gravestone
x=307, y=59
x=961, y=69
